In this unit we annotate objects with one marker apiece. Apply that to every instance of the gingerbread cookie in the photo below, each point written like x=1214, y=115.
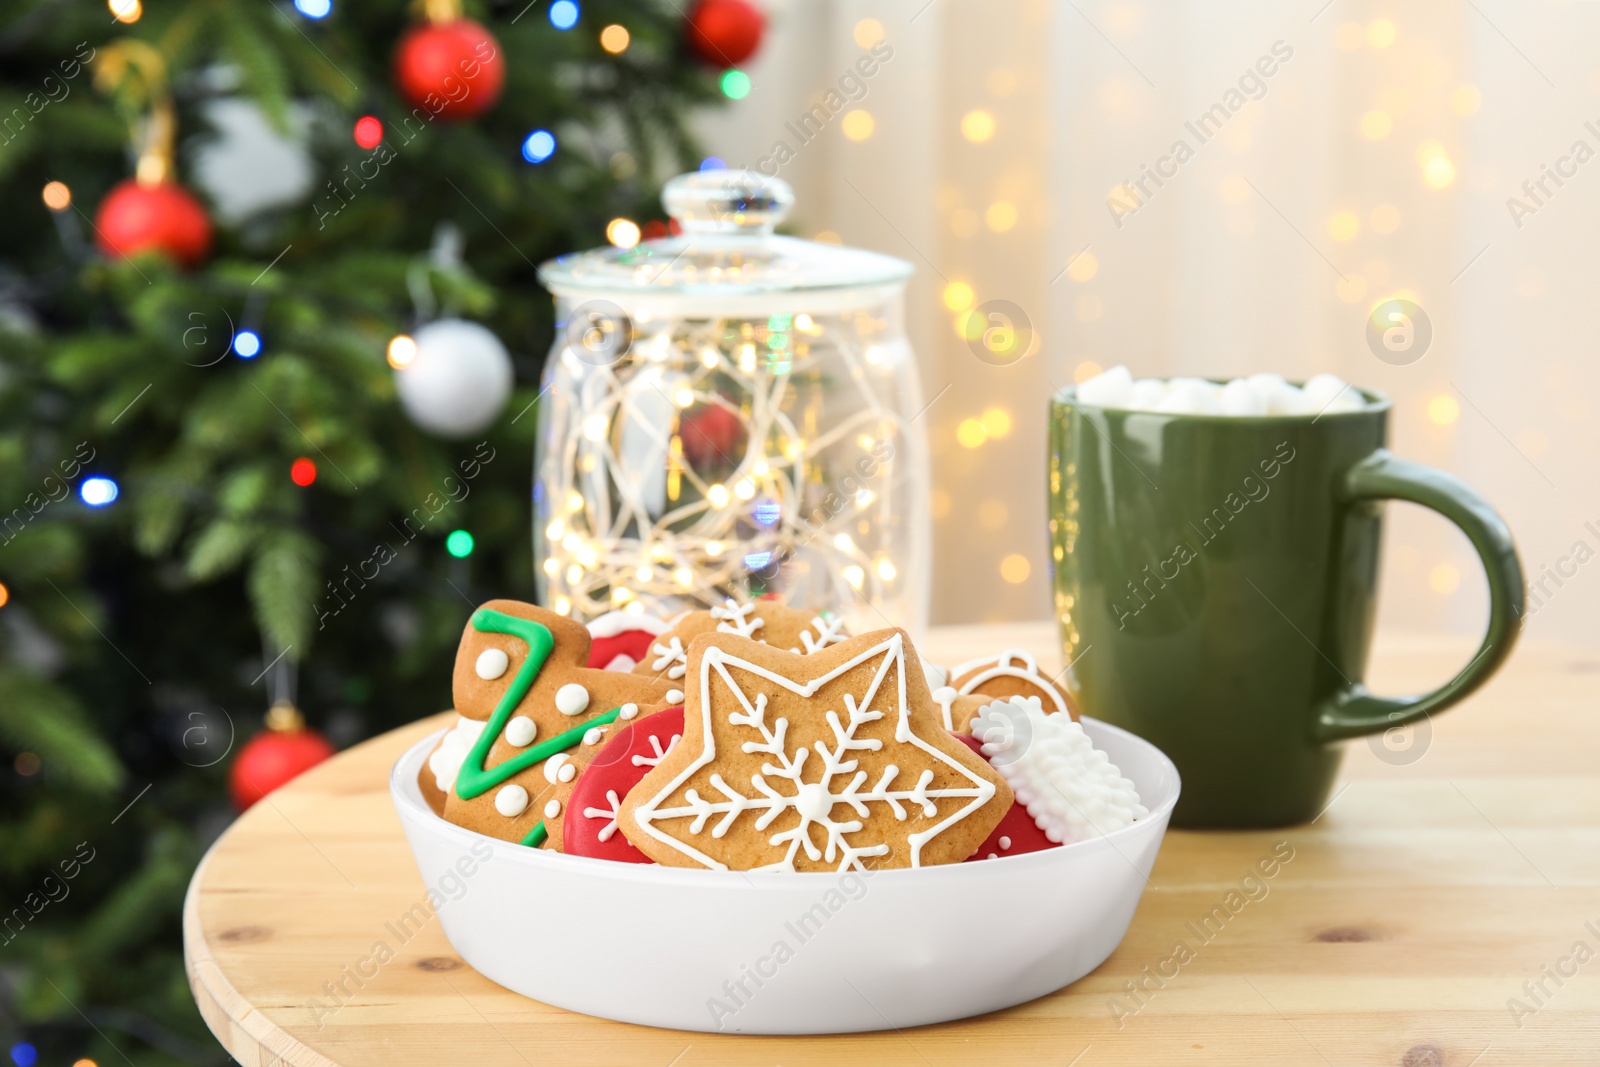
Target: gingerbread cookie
x=767, y=619
x=1012, y=673
x=1071, y=789
x=589, y=824
x=832, y=760
x=532, y=716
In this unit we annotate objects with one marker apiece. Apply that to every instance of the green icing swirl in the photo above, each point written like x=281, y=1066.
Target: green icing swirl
x=474, y=779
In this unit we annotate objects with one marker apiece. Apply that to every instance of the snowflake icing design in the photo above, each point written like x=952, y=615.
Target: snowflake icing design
x=670, y=657
x=829, y=632
x=838, y=782
x=661, y=753
x=610, y=813
x=736, y=618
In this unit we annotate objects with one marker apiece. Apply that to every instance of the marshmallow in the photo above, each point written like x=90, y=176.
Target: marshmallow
x=1111, y=389
x=1255, y=396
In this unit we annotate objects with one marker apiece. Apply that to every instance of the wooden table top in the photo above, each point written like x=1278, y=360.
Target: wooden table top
x=1445, y=910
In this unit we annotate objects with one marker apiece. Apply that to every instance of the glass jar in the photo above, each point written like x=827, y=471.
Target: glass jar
x=728, y=412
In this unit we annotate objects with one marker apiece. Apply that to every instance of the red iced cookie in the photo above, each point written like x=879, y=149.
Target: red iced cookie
x=619, y=640
x=1017, y=832
x=589, y=825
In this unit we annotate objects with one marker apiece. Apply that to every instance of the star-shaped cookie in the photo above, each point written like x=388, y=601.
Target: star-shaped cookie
x=767, y=619
x=826, y=761
x=532, y=715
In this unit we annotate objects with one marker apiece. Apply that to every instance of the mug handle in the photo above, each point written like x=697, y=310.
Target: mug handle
x=1382, y=476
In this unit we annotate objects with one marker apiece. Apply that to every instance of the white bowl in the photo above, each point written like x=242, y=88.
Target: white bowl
x=786, y=953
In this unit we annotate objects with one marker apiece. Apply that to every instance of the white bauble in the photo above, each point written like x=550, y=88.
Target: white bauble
x=458, y=381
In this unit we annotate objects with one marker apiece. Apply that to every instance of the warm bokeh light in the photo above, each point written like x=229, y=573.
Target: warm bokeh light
x=1437, y=169
x=1443, y=578
x=1083, y=267
x=1466, y=100
x=1015, y=569
x=615, y=39
x=718, y=495
x=1001, y=216
x=996, y=421
x=1086, y=370
x=125, y=11
x=958, y=296
x=971, y=433
x=624, y=233
x=1381, y=33
x=857, y=125
x=57, y=197
x=5, y=595
x=977, y=125
x=854, y=575
x=867, y=33
x=302, y=472
x=1375, y=125
x=1443, y=410
x=402, y=350
x=1343, y=226
x=1385, y=218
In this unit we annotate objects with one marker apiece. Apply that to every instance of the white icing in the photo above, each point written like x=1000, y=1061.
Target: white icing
x=628, y=711
x=1005, y=842
x=552, y=809
x=840, y=779
x=554, y=766
x=567, y=772
x=1069, y=787
x=492, y=663
x=1012, y=663
x=511, y=801
x=736, y=618
x=521, y=731
x=670, y=657
x=571, y=699
x=829, y=632
x=592, y=735
x=661, y=753
x=610, y=814
x=622, y=663
x=674, y=696
x=613, y=623
x=445, y=761
x=944, y=696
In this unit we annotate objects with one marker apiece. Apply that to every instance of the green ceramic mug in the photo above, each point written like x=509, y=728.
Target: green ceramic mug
x=1216, y=582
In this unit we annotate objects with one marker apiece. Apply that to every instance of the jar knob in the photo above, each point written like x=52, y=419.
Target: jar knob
x=727, y=201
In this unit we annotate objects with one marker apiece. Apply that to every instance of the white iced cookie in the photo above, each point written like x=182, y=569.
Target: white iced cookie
x=446, y=760
x=1069, y=787
x=571, y=699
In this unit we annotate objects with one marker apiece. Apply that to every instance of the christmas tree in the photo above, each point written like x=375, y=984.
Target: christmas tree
x=211, y=495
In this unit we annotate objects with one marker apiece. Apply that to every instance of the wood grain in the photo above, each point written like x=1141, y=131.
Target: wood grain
x=1410, y=914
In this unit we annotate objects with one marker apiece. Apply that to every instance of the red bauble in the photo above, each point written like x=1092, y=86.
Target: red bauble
x=453, y=69
x=712, y=437
x=135, y=218
x=725, y=33
x=275, y=756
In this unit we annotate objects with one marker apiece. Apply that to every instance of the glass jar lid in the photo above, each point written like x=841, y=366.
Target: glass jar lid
x=726, y=247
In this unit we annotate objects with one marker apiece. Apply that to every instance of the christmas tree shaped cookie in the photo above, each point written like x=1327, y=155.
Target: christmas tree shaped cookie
x=532, y=716
x=768, y=620
x=825, y=761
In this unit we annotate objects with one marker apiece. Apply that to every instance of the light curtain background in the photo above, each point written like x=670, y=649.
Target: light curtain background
x=1380, y=158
